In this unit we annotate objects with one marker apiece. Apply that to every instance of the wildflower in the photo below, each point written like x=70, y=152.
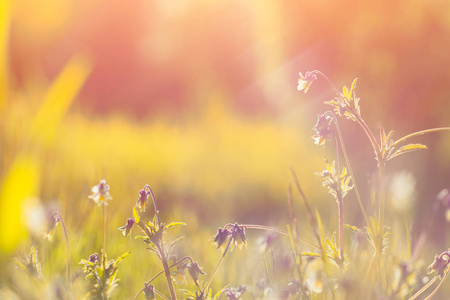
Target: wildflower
x=239, y=236
x=149, y=291
x=179, y=273
x=221, y=237
x=234, y=294
x=101, y=193
x=50, y=233
x=305, y=81
x=439, y=264
x=323, y=129
x=294, y=286
x=126, y=229
x=93, y=258
x=142, y=201
x=194, y=271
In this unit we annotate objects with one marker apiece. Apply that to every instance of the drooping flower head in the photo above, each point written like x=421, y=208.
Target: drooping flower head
x=239, y=236
x=100, y=193
x=323, y=129
x=149, y=291
x=439, y=264
x=194, y=271
x=142, y=200
x=305, y=81
x=236, y=293
x=126, y=229
x=93, y=258
x=221, y=237
x=53, y=222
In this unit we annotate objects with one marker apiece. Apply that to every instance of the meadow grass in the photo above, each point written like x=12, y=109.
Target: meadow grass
x=316, y=251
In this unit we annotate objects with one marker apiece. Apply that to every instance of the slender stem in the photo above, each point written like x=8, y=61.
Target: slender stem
x=160, y=272
x=298, y=260
x=104, y=237
x=166, y=270
x=341, y=228
x=161, y=295
x=154, y=201
x=267, y=269
x=328, y=80
x=420, y=133
x=349, y=167
x=205, y=289
x=381, y=194
x=311, y=217
x=67, y=248
x=369, y=270
x=370, y=135
x=423, y=289
x=437, y=288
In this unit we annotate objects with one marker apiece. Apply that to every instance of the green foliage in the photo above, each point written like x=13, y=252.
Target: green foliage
x=337, y=184
x=103, y=279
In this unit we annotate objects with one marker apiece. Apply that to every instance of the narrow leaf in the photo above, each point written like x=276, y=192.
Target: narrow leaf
x=136, y=215
x=175, y=224
x=407, y=148
x=311, y=254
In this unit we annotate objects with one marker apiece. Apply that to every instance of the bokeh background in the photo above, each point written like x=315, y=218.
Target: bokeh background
x=199, y=99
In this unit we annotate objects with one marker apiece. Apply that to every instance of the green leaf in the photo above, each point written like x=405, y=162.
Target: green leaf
x=322, y=244
x=175, y=224
x=136, y=215
x=406, y=149
x=311, y=254
x=120, y=258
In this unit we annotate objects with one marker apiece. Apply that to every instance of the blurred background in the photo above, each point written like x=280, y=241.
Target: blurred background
x=199, y=100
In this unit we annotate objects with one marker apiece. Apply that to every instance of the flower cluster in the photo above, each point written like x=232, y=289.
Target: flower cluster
x=236, y=234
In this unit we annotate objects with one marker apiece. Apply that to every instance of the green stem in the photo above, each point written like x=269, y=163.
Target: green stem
x=161, y=294
x=341, y=228
x=311, y=217
x=421, y=133
x=347, y=162
x=381, y=194
x=205, y=289
x=104, y=237
x=328, y=80
x=371, y=136
x=160, y=272
x=167, y=271
x=267, y=269
x=67, y=249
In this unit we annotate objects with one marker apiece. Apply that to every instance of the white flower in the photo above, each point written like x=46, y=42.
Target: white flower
x=100, y=193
